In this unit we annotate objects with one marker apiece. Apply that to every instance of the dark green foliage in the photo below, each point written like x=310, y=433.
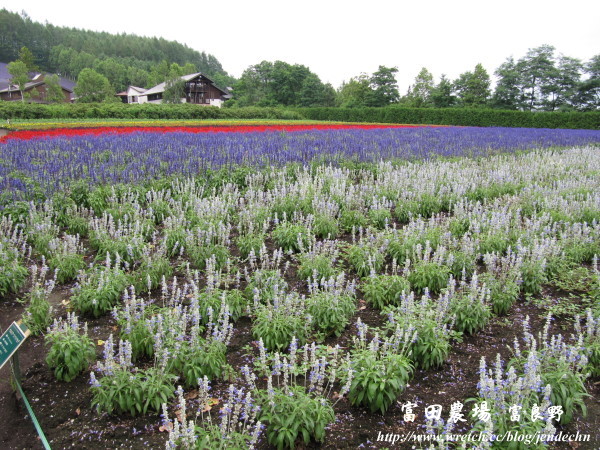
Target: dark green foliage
x=352, y=218
x=12, y=275
x=533, y=277
x=133, y=393
x=321, y=265
x=100, y=292
x=199, y=360
x=377, y=380
x=432, y=346
x=278, y=327
x=429, y=275
x=68, y=266
x=379, y=218
x=325, y=227
x=471, y=314
x=293, y=416
x=503, y=294
x=267, y=283
x=234, y=299
x=330, y=312
x=457, y=116
x=462, y=263
x=363, y=259
x=250, y=242
x=291, y=237
x=200, y=253
x=384, y=290
x=149, y=274
x=70, y=353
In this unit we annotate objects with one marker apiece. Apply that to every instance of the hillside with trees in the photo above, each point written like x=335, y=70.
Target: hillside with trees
x=125, y=59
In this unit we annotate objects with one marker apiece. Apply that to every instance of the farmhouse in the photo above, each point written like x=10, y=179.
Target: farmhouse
x=131, y=95
x=36, y=88
x=198, y=89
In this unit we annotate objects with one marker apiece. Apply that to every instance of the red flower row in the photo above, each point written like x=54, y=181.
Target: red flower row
x=38, y=134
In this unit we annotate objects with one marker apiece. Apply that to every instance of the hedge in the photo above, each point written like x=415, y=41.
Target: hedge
x=391, y=114
x=19, y=110
x=457, y=116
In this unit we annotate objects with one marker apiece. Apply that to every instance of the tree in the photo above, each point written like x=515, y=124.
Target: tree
x=588, y=91
x=508, y=93
x=420, y=93
x=473, y=88
x=537, y=72
x=93, y=87
x=28, y=59
x=54, y=92
x=356, y=93
x=280, y=83
x=385, y=87
x=18, y=71
x=441, y=96
x=174, y=90
x=562, y=90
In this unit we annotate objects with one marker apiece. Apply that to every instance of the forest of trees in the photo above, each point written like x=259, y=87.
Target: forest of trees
x=540, y=80
x=124, y=59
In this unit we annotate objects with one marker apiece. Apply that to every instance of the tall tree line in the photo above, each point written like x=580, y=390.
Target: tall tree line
x=127, y=58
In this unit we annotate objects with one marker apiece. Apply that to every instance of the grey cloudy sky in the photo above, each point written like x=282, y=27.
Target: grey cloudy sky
x=340, y=39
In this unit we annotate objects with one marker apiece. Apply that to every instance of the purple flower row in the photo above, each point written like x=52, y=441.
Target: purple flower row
x=52, y=164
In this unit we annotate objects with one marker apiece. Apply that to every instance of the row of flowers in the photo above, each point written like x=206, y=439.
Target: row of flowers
x=124, y=126
x=46, y=165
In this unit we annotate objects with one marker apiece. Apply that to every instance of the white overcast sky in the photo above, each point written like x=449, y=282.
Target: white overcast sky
x=338, y=39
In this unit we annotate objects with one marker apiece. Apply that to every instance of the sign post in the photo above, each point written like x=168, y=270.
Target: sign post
x=10, y=341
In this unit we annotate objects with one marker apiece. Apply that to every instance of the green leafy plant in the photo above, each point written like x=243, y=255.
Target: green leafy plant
x=123, y=390
x=380, y=218
x=429, y=275
x=38, y=312
x=66, y=256
x=276, y=326
x=71, y=351
x=351, y=218
x=249, y=243
x=533, y=276
x=267, y=284
x=199, y=359
x=384, y=290
x=294, y=415
x=364, y=259
x=330, y=312
x=470, y=306
x=325, y=226
x=99, y=291
x=291, y=237
x=311, y=264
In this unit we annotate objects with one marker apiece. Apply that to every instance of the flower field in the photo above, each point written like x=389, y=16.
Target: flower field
x=302, y=286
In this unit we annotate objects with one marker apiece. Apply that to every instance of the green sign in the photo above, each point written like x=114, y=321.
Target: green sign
x=11, y=340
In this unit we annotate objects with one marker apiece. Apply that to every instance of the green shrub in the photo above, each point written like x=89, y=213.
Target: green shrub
x=330, y=312
x=70, y=351
x=291, y=237
x=384, y=290
x=429, y=275
x=295, y=415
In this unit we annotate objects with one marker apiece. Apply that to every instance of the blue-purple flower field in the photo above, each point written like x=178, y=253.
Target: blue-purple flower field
x=305, y=289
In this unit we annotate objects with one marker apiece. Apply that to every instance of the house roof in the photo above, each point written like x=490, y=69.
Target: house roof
x=5, y=77
x=161, y=87
x=27, y=86
x=138, y=89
